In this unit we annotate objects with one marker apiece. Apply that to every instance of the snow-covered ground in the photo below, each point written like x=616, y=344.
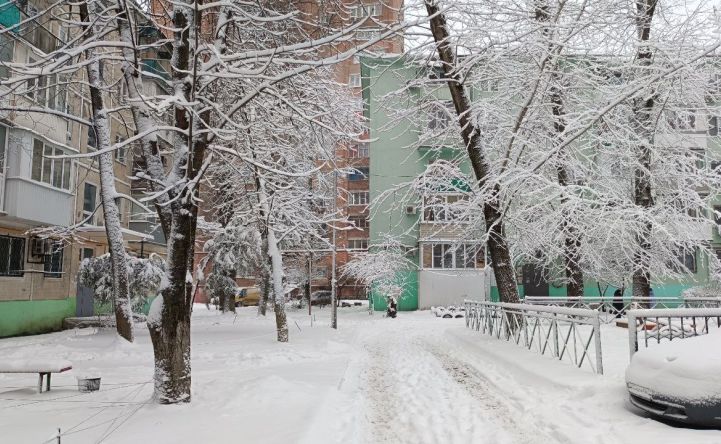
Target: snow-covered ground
x=414, y=379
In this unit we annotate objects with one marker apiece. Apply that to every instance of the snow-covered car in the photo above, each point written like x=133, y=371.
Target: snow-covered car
x=679, y=381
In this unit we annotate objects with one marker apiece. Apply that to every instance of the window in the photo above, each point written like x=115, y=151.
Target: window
x=452, y=256
x=121, y=205
x=439, y=115
x=684, y=120
x=358, y=198
x=86, y=253
x=354, y=80
x=360, y=150
x=120, y=153
x=3, y=140
x=90, y=192
x=358, y=244
x=443, y=207
x=489, y=85
x=7, y=46
x=12, y=252
x=698, y=157
x=361, y=11
x=367, y=34
x=717, y=214
x=713, y=123
x=92, y=139
x=55, y=172
x=361, y=173
x=360, y=222
x=685, y=261
x=53, y=263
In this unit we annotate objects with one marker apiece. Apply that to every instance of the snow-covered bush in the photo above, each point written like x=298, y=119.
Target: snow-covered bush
x=145, y=276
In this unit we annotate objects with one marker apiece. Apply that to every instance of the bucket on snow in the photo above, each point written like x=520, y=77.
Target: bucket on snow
x=86, y=385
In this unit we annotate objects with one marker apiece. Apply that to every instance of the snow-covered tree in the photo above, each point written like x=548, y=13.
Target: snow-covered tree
x=145, y=277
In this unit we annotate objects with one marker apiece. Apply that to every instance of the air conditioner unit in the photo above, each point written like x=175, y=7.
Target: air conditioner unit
x=411, y=209
x=40, y=247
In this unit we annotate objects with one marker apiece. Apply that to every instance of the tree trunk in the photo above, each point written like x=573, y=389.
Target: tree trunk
x=170, y=324
x=108, y=193
x=264, y=291
x=497, y=244
x=572, y=241
x=276, y=259
x=643, y=123
x=231, y=296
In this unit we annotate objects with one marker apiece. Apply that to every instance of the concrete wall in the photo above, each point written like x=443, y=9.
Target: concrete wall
x=449, y=287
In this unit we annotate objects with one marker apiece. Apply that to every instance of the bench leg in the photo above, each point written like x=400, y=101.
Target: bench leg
x=48, y=376
x=40, y=382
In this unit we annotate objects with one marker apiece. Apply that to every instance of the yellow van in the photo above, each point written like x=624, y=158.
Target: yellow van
x=247, y=296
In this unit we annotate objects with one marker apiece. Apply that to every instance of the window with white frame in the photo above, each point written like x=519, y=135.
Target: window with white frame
x=358, y=198
x=7, y=46
x=360, y=11
x=359, y=222
x=90, y=197
x=358, y=244
x=53, y=262
x=354, y=80
x=48, y=91
x=683, y=120
x=444, y=207
x=447, y=255
x=360, y=150
x=54, y=172
x=120, y=153
x=367, y=34
x=439, y=115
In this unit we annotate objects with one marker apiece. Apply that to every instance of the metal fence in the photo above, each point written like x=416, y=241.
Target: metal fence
x=669, y=324
x=567, y=334
x=611, y=308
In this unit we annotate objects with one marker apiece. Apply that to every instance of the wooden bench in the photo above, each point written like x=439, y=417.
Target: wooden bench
x=41, y=367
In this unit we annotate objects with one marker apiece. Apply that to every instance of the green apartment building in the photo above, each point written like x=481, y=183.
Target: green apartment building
x=450, y=258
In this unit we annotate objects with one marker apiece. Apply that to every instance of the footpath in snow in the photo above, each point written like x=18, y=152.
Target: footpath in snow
x=414, y=379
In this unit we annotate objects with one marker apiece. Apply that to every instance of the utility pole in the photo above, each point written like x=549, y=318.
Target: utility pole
x=310, y=279
x=333, y=293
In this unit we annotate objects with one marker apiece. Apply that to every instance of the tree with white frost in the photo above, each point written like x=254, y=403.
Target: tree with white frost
x=578, y=132
x=257, y=47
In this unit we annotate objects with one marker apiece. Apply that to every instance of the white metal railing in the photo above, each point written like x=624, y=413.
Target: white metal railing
x=673, y=323
x=611, y=308
x=570, y=334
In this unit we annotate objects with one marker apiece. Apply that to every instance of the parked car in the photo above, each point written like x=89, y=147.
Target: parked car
x=679, y=381
x=247, y=296
x=320, y=298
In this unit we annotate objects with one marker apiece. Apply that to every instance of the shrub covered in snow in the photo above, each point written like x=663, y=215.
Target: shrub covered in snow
x=145, y=278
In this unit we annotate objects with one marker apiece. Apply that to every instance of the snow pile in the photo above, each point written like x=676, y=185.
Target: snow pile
x=35, y=365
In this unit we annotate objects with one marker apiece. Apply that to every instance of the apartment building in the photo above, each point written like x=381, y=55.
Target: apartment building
x=353, y=189
x=449, y=257
x=38, y=274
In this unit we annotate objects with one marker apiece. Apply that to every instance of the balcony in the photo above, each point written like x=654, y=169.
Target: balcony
x=9, y=14
x=38, y=203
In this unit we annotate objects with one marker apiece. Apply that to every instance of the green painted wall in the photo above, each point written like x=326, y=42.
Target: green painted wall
x=408, y=300
x=33, y=317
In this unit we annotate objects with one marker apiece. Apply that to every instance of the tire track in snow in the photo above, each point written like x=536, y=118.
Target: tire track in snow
x=379, y=388
x=525, y=429
x=411, y=398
